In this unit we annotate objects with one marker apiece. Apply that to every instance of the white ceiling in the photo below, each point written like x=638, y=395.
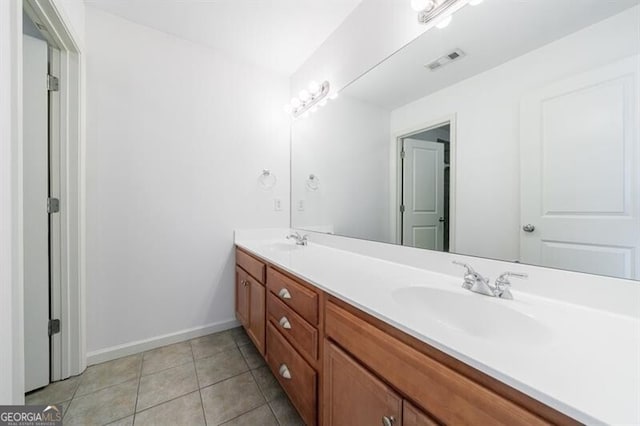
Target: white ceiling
x=491, y=33
x=277, y=34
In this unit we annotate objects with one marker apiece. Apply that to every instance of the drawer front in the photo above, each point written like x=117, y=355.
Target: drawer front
x=294, y=374
x=302, y=335
x=299, y=298
x=250, y=264
x=449, y=396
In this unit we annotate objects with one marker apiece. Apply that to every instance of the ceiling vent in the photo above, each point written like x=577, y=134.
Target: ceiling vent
x=444, y=60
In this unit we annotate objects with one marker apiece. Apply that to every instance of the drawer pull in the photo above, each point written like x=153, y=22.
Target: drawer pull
x=388, y=420
x=244, y=282
x=284, y=372
x=284, y=323
x=284, y=294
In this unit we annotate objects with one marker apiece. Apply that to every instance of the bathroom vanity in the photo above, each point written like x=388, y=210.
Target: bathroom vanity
x=340, y=332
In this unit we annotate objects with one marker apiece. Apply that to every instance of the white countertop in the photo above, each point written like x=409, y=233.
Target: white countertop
x=582, y=361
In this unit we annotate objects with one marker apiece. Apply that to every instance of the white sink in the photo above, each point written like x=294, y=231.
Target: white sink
x=473, y=314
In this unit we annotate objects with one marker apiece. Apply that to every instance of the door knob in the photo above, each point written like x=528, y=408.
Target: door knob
x=528, y=228
x=442, y=219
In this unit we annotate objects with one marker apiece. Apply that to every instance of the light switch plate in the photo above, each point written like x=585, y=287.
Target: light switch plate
x=300, y=205
x=277, y=204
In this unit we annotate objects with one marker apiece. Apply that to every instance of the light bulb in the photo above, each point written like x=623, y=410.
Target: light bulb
x=444, y=22
x=304, y=95
x=420, y=5
x=322, y=102
x=295, y=102
x=475, y=2
x=334, y=95
x=314, y=88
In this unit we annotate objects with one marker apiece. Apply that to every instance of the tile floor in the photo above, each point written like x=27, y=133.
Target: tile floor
x=218, y=379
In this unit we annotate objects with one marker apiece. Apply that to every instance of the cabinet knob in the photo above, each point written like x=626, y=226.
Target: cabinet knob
x=244, y=282
x=284, y=294
x=388, y=420
x=284, y=371
x=284, y=323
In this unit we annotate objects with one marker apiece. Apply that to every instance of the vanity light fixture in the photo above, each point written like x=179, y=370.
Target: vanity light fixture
x=432, y=10
x=308, y=100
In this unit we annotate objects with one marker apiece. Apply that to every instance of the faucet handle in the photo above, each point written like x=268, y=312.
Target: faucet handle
x=470, y=270
x=503, y=284
x=504, y=277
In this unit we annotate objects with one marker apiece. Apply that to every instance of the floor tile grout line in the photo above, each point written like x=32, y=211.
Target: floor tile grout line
x=195, y=367
x=165, y=402
x=135, y=406
x=264, y=395
x=247, y=412
x=227, y=378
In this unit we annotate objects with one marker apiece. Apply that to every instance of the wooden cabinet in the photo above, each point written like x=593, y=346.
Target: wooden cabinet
x=297, y=377
x=353, y=396
x=256, y=329
x=341, y=366
x=251, y=298
x=242, y=297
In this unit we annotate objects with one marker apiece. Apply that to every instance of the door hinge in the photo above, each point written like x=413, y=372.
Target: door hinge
x=401, y=208
x=53, y=205
x=402, y=154
x=53, y=84
x=54, y=326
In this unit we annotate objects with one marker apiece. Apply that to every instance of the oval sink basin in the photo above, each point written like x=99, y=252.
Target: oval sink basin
x=473, y=314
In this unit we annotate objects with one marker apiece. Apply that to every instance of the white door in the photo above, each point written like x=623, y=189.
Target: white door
x=36, y=218
x=580, y=182
x=423, y=194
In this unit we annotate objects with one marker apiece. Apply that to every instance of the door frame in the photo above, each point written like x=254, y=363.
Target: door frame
x=395, y=174
x=68, y=133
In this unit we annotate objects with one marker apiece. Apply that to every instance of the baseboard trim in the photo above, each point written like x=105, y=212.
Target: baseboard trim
x=113, y=352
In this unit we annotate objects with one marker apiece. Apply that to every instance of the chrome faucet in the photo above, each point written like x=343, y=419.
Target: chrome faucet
x=299, y=239
x=475, y=282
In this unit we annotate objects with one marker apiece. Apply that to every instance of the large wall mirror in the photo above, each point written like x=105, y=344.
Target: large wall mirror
x=512, y=134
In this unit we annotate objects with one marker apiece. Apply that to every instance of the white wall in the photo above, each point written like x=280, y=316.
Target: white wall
x=177, y=136
x=487, y=111
x=345, y=144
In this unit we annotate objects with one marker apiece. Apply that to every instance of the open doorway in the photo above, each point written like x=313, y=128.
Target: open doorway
x=425, y=188
x=52, y=196
x=40, y=208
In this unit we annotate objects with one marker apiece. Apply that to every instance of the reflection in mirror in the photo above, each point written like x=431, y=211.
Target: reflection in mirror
x=510, y=134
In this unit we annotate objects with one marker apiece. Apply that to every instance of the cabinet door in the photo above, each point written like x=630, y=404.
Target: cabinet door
x=413, y=416
x=257, y=313
x=353, y=396
x=242, y=297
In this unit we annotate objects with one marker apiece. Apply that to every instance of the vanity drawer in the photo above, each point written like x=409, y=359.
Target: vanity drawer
x=294, y=374
x=302, y=335
x=298, y=297
x=250, y=264
x=448, y=395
